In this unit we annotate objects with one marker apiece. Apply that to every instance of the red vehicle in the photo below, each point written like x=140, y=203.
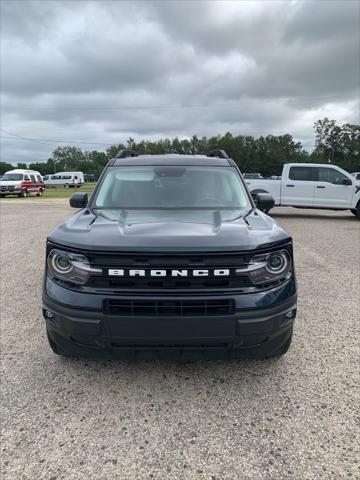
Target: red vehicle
x=22, y=183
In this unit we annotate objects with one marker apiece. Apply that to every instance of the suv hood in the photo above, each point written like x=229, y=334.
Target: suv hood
x=87, y=231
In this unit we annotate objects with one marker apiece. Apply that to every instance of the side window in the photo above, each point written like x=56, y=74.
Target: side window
x=301, y=173
x=331, y=175
x=38, y=178
x=32, y=177
x=26, y=178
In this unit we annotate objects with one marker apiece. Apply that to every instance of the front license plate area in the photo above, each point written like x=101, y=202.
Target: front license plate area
x=170, y=327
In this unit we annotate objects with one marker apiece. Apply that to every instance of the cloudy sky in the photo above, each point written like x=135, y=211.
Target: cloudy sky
x=94, y=73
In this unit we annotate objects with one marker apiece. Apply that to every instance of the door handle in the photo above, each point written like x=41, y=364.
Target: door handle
x=290, y=185
x=320, y=186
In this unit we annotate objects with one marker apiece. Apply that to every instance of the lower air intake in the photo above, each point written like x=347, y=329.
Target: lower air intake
x=177, y=308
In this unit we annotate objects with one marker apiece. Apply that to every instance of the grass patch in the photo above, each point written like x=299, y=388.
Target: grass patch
x=67, y=192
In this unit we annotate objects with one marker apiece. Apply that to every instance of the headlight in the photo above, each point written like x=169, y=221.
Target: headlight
x=269, y=267
x=70, y=267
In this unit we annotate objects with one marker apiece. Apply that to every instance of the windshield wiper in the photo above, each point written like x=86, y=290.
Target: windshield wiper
x=242, y=215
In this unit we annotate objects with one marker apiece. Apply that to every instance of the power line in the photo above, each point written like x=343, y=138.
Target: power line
x=51, y=140
x=2, y=137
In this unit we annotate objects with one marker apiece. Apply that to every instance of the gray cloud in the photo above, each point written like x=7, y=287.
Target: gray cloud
x=101, y=71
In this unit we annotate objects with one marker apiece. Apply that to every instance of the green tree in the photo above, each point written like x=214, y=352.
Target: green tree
x=67, y=158
x=266, y=154
x=5, y=167
x=337, y=144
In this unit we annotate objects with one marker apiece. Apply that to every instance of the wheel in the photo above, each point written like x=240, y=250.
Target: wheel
x=39, y=193
x=23, y=193
x=66, y=185
x=356, y=211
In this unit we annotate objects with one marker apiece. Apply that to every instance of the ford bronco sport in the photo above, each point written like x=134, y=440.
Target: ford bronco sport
x=171, y=255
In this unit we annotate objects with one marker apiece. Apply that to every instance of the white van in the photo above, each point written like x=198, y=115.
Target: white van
x=21, y=182
x=64, y=179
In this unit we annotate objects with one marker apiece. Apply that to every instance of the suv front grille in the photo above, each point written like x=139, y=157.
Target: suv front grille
x=149, y=308
x=168, y=262
x=142, y=283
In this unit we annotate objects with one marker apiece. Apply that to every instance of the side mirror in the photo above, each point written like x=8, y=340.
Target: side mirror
x=264, y=201
x=346, y=181
x=79, y=200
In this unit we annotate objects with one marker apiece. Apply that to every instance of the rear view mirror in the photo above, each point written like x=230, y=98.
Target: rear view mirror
x=79, y=200
x=346, y=181
x=264, y=201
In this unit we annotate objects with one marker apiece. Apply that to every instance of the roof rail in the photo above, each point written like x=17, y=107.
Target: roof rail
x=217, y=153
x=126, y=152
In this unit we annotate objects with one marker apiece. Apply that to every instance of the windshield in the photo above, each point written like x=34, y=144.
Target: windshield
x=12, y=176
x=171, y=192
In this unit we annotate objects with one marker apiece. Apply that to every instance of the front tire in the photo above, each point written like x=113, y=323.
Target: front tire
x=356, y=211
x=23, y=193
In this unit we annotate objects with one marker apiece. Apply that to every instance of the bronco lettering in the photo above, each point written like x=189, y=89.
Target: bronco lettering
x=224, y=272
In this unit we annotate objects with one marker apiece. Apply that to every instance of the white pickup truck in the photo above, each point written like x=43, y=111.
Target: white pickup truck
x=310, y=185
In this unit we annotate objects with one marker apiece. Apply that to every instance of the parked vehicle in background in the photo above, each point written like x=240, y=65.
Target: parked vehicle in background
x=252, y=175
x=65, y=179
x=22, y=183
x=310, y=185
x=89, y=177
x=356, y=175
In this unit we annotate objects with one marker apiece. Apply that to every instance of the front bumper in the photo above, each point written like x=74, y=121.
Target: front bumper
x=16, y=191
x=260, y=321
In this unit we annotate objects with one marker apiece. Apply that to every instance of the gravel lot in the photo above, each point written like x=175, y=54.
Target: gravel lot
x=291, y=418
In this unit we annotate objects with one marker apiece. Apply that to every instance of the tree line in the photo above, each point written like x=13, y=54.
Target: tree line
x=335, y=144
